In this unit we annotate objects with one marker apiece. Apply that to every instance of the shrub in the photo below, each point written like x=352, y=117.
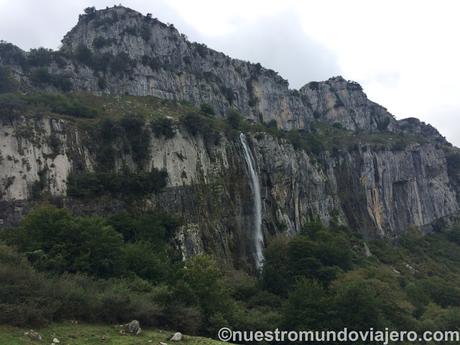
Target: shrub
x=146, y=32
x=142, y=259
x=102, y=83
x=137, y=136
x=56, y=241
x=453, y=165
x=84, y=55
x=193, y=122
x=42, y=76
x=202, y=49
x=101, y=61
x=40, y=57
x=201, y=284
x=100, y=42
x=228, y=94
x=197, y=124
x=207, y=109
x=275, y=276
x=154, y=228
x=26, y=297
x=7, y=82
x=151, y=61
x=61, y=104
x=234, y=119
x=11, y=107
x=382, y=124
x=121, y=63
x=307, y=306
x=90, y=184
x=90, y=10
x=29, y=298
x=163, y=127
x=318, y=254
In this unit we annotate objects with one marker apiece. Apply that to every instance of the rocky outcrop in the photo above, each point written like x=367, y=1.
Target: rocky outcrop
x=120, y=51
x=385, y=192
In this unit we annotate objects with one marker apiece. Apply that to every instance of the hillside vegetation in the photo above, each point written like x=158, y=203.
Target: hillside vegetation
x=121, y=268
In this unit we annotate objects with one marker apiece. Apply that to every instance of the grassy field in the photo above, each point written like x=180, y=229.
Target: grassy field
x=82, y=334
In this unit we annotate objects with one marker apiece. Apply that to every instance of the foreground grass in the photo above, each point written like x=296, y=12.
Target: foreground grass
x=82, y=334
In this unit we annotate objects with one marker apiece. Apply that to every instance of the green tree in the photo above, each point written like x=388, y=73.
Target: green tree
x=307, y=306
x=55, y=240
x=144, y=260
x=7, y=82
x=202, y=284
x=275, y=276
x=234, y=119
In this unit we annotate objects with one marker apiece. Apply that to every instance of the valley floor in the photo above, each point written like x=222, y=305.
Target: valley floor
x=83, y=334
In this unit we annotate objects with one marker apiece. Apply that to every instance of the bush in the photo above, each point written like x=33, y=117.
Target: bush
x=121, y=63
x=61, y=104
x=84, y=55
x=144, y=260
x=207, y=109
x=453, y=165
x=11, y=107
x=40, y=57
x=129, y=133
x=29, y=298
x=201, y=284
x=383, y=123
x=138, y=137
x=319, y=254
x=90, y=11
x=234, y=119
x=42, y=76
x=26, y=297
x=146, y=32
x=100, y=42
x=307, y=306
x=7, y=82
x=163, y=127
x=91, y=184
x=55, y=241
x=154, y=228
x=153, y=62
x=197, y=124
x=228, y=94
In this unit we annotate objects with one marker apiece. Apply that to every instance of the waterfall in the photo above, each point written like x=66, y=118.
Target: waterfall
x=255, y=188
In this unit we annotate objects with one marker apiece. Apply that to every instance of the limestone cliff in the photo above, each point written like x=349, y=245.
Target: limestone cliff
x=379, y=193
x=119, y=51
x=377, y=189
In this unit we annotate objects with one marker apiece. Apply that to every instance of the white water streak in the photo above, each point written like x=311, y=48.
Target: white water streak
x=255, y=188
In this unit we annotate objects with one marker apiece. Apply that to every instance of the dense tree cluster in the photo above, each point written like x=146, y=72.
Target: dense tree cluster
x=127, y=266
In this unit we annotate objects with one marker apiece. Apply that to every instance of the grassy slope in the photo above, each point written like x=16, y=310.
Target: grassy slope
x=93, y=335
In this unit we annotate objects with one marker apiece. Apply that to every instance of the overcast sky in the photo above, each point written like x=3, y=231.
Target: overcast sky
x=406, y=54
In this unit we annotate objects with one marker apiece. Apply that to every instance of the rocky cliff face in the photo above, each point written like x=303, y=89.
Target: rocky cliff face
x=120, y=51
x=379, y=191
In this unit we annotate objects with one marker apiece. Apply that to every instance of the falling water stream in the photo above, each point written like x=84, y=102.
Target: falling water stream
x=255, y=188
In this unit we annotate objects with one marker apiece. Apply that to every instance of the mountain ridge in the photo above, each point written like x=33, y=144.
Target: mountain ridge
x=119, y=51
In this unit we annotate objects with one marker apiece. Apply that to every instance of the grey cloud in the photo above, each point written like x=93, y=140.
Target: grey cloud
x=444, y=118
x=279, y=43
